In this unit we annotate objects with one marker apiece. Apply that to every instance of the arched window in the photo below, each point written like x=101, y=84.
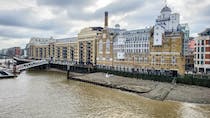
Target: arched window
x=173, y=60
x=162, y=60
x=108, y=46
x=100, y=46
x=153, y=60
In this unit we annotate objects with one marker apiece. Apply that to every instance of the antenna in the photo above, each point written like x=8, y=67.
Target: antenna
x=165, y=2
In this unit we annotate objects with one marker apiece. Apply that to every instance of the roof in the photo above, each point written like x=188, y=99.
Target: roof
x=66, y=40
x=166, y=9
x=206, y=32
x=97, y=28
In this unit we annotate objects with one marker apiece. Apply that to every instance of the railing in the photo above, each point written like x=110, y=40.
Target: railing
x=26, y=60
x=31, y=65
x=63, y=62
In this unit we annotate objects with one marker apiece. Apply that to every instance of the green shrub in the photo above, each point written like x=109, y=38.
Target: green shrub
x=187, y=79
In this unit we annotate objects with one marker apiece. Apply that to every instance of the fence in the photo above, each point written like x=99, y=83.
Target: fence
x=186, y=79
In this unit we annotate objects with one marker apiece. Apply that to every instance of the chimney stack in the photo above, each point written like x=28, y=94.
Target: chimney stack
x=106, y=20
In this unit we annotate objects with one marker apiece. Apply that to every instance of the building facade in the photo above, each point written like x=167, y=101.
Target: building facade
x=105, y=54
x=190, y=56
x=168, y=56
x=53, y=49
x=87, y=45
x=186, y=37
x=167, y=46
x=157, y=49
x=11, y=52
x=202, y=52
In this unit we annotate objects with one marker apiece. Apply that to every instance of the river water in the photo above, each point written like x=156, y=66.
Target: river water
x=44, y=94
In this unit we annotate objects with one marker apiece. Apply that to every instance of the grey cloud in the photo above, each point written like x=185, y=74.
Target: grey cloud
x=28, y=19
x=75, y=9
x=64, y=3
x=16, y=17
x=144, y=14
x=19, y=33
x=12, y=33
x=121, y=7
x=116, y=8
x=206, y=11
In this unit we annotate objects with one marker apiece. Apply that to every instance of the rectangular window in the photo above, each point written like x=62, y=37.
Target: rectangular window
x=208, y=42
x=202, y=49
x=58, y=52
x=202, y=42
x=201, y=56
x=64, y=52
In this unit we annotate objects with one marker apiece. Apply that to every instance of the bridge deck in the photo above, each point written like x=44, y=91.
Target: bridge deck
x=31, y=65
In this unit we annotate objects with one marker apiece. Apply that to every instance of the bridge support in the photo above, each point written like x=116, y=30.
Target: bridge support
x=14, y=68
x=69, y=76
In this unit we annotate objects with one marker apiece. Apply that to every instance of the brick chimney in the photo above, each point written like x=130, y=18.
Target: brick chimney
x=106, y=20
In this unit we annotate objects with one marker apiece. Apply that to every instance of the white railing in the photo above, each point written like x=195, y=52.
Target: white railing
x=63, y=62
x=26, y=60
x=31, y=65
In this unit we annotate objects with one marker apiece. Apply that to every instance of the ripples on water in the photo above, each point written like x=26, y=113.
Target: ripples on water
x=39, y=94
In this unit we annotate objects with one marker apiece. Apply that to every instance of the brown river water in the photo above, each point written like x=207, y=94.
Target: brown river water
x=42, y=94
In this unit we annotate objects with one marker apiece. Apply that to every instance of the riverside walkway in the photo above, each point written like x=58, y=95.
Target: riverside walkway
x=150, y=89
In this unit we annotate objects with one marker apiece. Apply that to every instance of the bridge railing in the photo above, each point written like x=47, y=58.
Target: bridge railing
x=63, y=62
x=31, y=64
x=20, y=59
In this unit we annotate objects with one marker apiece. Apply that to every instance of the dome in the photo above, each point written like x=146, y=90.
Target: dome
x=166, y=9
x=117, y=25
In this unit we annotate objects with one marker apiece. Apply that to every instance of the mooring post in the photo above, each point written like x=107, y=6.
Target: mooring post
x=14, y=68
x=68, y=72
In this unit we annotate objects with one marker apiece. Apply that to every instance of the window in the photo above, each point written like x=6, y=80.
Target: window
x=162, y=60
x=201, y=56
x=41, y=53
x=45, y=52
x=208, y=42
x=108, y=46
x=173, y=60
x=64, y=52
x=37, y=52
x=100, y=46
x=58, y=52
x=153, y=60
x=202, y=49
x=145, y=59
x=202, y=42
x=72, y=53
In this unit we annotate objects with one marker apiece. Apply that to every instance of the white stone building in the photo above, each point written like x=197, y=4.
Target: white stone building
x=166, y=22
x=202, y=52
x=131, y=42
x=170, y=22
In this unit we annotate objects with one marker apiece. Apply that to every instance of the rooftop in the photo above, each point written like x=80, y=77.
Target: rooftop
x=206, y=32
x=166, y=9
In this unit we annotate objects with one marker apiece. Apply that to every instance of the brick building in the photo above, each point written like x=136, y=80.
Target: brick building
x=202, y=52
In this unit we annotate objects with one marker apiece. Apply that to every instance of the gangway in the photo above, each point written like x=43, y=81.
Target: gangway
x=30, y=65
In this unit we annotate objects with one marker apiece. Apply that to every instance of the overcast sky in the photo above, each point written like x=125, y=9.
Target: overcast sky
x=22, y=19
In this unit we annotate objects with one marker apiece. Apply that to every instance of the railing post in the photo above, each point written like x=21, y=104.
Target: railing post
x=68, y=72
x=14, y=68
